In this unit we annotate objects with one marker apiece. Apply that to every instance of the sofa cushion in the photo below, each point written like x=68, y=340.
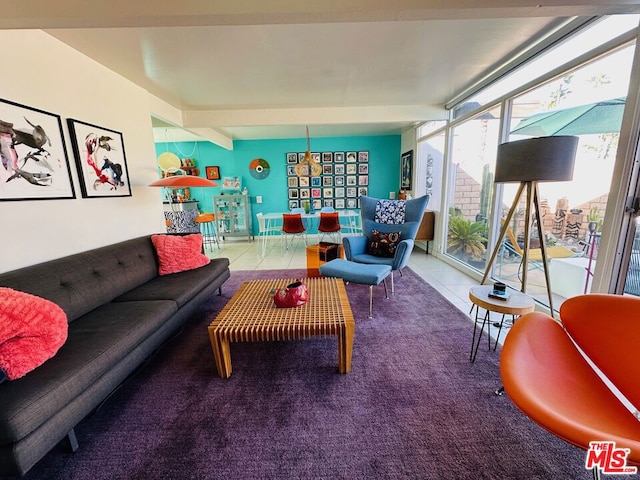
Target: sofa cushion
x=178, y=253
x=179, y=287
x=32, y=329
x=97, y=341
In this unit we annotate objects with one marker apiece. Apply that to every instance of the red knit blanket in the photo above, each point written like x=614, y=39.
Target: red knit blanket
x=32, y=330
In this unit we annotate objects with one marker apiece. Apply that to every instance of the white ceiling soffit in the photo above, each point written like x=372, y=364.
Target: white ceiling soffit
x=252, y=69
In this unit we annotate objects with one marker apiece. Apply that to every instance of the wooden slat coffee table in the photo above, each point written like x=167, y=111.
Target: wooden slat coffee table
x=251, y=316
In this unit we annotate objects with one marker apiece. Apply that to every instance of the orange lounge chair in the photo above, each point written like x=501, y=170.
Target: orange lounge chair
x=550, y=381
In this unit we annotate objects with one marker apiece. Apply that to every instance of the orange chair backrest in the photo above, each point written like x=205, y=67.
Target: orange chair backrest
x=329, y=222
x=607, y=329
x=292, y=223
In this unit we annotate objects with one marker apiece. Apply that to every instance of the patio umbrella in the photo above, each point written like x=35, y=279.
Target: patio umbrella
x=593, y=118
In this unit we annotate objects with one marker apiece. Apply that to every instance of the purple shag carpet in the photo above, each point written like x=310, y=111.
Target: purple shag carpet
x=413, y=406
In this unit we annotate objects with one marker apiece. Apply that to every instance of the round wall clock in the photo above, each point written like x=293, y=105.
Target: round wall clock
x=259, y=168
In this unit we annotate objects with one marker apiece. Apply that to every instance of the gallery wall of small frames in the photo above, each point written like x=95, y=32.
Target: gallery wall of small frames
x=345, y=176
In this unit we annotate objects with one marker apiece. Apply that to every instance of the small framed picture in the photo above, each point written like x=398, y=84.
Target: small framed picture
x=315, y=157
x=338, y=192
x=363, y=156
x=304, y=181
x=327, y=169
x=352, y=192
x=294, y=204
x=327, y=157
x=328, y=202
x=363, y=191
x=291, y=170
x=338, y=157
x=352, y=157
x=327, y=192
x=363, y=169
x=352, y=169
x=352, y=180
x=300, y=156
x=293, y=193
x=317, y=204
x=351, y=203
x=327, y=181
x=292, y=158
x=316, y=181
x=305, y=193
x=338, y=181
x=338, y=169
x=292, y=182
x=363, y=180
x=339, y=203
x=213, y=173
x=316, y=193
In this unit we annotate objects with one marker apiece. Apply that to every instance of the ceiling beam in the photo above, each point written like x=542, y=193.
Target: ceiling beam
x=126, y=13
x=312, y=116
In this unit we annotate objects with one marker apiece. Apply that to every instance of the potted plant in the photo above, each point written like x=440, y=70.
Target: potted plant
x=466, y=239
x=594, y=219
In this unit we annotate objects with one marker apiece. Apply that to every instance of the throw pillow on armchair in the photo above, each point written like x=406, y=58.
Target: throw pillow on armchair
x=383, y=244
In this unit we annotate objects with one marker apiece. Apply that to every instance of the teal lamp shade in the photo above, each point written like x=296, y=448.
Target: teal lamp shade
x=541, y=159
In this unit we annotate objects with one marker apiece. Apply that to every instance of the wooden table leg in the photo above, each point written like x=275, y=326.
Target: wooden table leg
x=221, y=353
x=345, y=347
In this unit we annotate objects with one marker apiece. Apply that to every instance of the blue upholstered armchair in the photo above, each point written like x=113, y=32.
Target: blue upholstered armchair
x=382, y=220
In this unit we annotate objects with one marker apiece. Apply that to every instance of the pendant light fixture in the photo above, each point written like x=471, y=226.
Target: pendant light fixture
x=308, y=167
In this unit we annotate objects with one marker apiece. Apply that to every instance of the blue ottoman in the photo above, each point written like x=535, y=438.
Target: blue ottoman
x=363, y=273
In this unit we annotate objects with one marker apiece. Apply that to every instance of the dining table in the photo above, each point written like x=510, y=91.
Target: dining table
x=349, y=223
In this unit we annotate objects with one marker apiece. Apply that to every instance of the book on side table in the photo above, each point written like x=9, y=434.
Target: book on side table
x=500, y=295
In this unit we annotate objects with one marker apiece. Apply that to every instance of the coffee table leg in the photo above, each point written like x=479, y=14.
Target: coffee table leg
x=345, y=347
x=221, y=353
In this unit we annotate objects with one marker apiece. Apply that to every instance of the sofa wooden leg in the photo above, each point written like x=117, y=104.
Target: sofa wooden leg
x=73, y=441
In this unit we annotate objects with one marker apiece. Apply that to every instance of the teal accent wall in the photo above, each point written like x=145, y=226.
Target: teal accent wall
x=384, y=166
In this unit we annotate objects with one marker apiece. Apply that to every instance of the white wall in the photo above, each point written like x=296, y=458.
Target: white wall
x=43, y=73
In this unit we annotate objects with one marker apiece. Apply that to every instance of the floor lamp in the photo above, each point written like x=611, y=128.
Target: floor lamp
x=542, y=159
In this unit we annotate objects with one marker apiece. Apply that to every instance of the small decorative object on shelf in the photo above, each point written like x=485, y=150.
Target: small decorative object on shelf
x=189, y=166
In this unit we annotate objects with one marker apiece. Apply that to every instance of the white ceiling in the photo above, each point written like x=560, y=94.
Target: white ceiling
x=265, y=69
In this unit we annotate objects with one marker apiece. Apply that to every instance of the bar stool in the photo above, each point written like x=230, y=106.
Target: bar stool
x=206, y=223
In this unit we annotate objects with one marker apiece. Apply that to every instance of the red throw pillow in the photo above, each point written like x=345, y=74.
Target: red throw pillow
x=383, y=244
x=32, y=329
x=178, y=253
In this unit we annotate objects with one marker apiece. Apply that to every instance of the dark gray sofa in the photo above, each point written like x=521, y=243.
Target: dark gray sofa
x=119, y=311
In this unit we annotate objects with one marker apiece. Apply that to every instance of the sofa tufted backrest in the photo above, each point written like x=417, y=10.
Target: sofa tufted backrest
x=414, y=210
x=82, y=282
